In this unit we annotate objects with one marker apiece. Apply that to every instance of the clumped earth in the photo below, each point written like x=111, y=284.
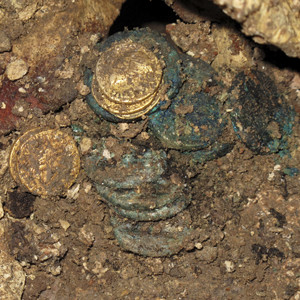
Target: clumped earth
x=245, y=207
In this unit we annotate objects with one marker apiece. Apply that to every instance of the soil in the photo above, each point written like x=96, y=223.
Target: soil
x=244, y=209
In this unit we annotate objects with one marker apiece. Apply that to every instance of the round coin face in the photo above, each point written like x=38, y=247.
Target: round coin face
x=127, y=79
x=128, y=72
x=47, y=161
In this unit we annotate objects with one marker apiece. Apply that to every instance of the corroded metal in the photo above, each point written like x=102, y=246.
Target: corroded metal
x=153, y=239
x=45, y=161
x=139, y=73
x=135, y=182
x=194, y=120
x=260, y=117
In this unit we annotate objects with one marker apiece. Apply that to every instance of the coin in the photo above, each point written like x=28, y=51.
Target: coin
x=127, y=79
x=46, y=161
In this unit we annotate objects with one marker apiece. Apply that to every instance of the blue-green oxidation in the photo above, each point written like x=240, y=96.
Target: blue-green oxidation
x=194, y=120
x=146, y=240
x=260, y=117
x=135, y=181
x=136, y=184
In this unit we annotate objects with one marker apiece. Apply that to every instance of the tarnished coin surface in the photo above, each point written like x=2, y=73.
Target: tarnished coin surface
x=46, y=161
x=127, y=79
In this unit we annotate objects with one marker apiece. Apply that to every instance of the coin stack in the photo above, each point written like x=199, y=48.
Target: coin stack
x=136, y=184
x=136, y=72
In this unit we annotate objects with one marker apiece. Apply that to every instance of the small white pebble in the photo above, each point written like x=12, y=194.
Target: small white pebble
x=22, y=90
x=82, y=89
x=106, y=154
x=87, y=188
x=271, y=176
x=229, y=265
x=16, y=69
x=123, y=126
x=277, y=167
x=84, y=49
x=198, y=246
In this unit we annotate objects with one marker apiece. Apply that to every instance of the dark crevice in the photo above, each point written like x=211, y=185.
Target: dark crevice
x=144, y=13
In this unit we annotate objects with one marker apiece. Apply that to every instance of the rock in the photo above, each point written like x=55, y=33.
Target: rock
x=85, y=145
x=12, y=276
x=267, y=22
x=229, y=265
x=207, y=254
x=16, y=69
x=5, y=44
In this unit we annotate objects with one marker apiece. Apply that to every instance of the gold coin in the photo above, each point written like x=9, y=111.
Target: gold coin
x=127, y=80
x=15, y=151
x=125, y=110
x=47, y=161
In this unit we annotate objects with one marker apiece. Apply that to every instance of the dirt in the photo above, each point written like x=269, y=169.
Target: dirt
x=244, y=209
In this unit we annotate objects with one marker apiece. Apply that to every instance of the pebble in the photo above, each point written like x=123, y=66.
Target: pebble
x=16, y=69
x=207, y=254
x=64, y=224
x=5, y=44
x=85, y=145
x=82, y=88
x=229, y=265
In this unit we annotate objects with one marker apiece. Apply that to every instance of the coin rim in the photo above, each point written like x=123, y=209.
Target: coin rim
x=13, y=156
x=108, y=105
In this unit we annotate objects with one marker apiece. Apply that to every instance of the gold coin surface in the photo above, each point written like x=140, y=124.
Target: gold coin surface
x=127, y=79
x=47, y=161
x=15, y=151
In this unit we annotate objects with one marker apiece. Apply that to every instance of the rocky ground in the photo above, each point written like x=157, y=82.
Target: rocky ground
x=245, y=207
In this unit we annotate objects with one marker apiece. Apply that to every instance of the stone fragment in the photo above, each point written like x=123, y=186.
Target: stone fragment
x=268, y=22
x=12, y=276
x=5, y=44
x=229, y=265
x=208, y=254
x=16, y=69
x=85, y=145
x=64, y=224
x=82, y=89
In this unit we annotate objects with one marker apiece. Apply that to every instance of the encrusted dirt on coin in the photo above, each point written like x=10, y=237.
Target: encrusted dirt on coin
x=245, y=207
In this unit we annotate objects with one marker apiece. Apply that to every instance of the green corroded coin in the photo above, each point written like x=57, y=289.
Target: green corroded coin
x=122, y=165
x=146, y=239
x=194, y=119
x=162, y=193
x=260, y=116
x=174, y=207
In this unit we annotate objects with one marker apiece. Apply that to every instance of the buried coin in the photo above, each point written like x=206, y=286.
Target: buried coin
x=45, y=161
